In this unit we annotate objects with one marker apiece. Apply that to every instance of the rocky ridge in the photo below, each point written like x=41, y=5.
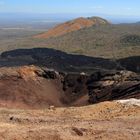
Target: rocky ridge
x=35, y=87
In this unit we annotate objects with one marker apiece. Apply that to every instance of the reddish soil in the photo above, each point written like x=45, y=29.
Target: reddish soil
x=28, y=100
x=22, y=88
x=71, y=26
x=104, y=121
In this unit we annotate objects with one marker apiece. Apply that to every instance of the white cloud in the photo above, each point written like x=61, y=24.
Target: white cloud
x=96, y=7
x=127, y=8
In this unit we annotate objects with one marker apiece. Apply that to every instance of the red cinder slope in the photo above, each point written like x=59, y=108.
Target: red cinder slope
x=71, y=26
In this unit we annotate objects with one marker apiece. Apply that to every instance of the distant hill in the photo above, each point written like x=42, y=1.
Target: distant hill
x=113, y=41
x=98, y=20
x=107, y=41
x=138, y=22
x=71, y=26
x=133, y=40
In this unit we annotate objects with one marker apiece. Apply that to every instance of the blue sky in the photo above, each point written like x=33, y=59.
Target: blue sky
x=107, y=7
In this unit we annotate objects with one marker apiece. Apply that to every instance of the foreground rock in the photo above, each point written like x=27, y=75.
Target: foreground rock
x=35, y=87
x=104, y=86
x=130, y=102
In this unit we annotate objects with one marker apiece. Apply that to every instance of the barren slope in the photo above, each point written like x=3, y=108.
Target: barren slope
x=23, y=88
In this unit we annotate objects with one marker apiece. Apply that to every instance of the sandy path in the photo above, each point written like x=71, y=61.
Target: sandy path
x=108, y=120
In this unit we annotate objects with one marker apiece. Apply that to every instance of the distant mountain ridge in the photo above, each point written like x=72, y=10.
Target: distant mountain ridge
x=138, y=22
x=72, y=25
x=99, y=20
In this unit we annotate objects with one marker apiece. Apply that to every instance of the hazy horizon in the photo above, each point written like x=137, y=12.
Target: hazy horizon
x=43, y=17
x=126, y=11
